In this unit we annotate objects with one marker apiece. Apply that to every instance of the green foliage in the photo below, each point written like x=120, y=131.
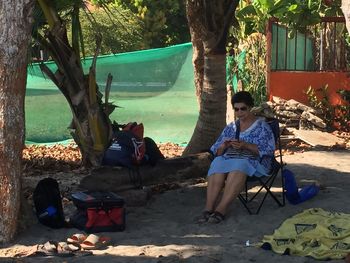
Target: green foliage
x=249, y=66
x=343, y=111
x=296, y=14
x=121, y=31
x=323, y=105
x=165, y=21
x=253, y=16
x=337, y=116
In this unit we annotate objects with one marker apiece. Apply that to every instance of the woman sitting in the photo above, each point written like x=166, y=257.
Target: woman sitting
x=244, y=148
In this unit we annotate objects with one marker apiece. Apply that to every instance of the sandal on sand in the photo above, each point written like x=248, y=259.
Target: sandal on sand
x=64, y=246
x=216, y=218
x=94, y=242
x=76, y=238
x=47, y=249
x=52, y=248
x=59, y=249
x=203, y=218
x=71, y=250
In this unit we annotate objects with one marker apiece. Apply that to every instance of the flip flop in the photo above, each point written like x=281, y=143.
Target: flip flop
x=47, y=249
x=73, y=249
x=94, y=242
x=64, y=246
x=51, y=249
x=77, y=238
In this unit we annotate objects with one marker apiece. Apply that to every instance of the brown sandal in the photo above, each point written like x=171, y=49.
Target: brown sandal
x=95, y=242
x=203, y=218
x=216, y=218
x=77, y=238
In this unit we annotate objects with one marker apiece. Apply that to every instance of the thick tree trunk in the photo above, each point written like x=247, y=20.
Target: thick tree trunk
x=212, y=113
x=198, y=48
x=198, y=64
x=345, y=7
x=15, y=21
x=209, y=22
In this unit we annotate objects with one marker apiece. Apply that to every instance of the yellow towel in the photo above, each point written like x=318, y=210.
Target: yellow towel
x=314, y=232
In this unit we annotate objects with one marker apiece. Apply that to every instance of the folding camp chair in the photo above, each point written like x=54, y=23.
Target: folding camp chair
x=266, y=182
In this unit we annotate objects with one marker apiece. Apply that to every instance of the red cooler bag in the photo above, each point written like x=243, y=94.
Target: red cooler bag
x=98, y=212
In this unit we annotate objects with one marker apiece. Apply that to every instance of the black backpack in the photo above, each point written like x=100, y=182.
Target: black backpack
x=48, y=203
x=153, y=154
x=122, y=150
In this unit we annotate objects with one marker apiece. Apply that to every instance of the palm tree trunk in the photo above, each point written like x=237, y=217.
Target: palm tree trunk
x=212, y=114
x=209, y=23
x=197, y=45
x=345, y=7
x=15, y=23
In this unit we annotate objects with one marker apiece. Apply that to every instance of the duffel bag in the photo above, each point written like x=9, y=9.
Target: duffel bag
x=98, y=212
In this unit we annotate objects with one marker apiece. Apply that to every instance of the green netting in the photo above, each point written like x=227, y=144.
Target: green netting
x=153, y=86
x=291, y=53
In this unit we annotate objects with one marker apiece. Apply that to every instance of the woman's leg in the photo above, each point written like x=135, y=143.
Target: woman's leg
x=215, y=185
x=234, y=184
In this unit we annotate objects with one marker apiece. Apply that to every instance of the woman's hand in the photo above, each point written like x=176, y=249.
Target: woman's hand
x=238, y=144
x=223, y=147
x=242, y=145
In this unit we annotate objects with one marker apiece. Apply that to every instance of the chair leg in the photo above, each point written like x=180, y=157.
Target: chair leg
x=264, y=185
x=283, y=187
x=244, y=202
x=268, y=191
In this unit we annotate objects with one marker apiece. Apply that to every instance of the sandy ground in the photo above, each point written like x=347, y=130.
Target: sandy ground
x=164, y=229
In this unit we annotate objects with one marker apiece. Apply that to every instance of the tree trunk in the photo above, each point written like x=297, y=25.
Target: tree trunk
x=15, y=22
x=212, y=112
x=345, y=7
x=197, y=46
x=209, y=22
x=91, y=125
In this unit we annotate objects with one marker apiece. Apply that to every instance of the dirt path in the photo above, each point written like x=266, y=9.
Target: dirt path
x=164, y=231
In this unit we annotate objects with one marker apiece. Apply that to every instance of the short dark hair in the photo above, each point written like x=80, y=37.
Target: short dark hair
x=243, y=97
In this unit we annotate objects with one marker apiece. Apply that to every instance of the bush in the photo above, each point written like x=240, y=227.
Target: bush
x=249, y=66
x=335, y=116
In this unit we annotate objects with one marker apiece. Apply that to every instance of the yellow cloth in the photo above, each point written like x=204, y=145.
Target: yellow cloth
x=314, y=232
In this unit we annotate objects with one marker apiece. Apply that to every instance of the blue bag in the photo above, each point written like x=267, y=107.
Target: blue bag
x=121, y=151
x=293, y=195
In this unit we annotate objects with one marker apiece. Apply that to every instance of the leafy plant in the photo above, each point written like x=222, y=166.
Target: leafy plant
x=249, y=65
x=344, y=110
x=296, y=14
x=335, y=116
x=165, y=21
x=121, y=30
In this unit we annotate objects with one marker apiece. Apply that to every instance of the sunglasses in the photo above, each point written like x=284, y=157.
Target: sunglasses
x=240, y=109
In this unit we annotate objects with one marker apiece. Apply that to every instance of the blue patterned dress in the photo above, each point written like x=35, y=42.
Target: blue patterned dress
x=258, y=133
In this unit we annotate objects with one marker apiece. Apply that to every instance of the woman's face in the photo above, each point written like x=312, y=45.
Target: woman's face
x=241, y=110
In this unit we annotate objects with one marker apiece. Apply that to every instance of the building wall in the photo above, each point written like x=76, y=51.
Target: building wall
x=293, y=85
